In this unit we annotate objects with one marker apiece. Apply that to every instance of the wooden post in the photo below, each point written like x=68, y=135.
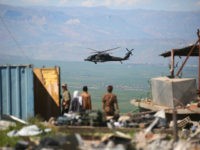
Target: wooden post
x=190, y=52
x=172, y=64
x=175, y=129
x=198, y=91
x=174, y=116
x=198, y=34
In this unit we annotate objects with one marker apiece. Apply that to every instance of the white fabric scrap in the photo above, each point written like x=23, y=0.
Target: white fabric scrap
x=31, y=130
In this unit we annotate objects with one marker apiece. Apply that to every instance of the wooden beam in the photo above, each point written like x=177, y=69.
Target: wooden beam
x=190, y=52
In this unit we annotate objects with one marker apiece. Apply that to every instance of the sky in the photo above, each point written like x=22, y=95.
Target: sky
x=169, y=5
x=37, y=27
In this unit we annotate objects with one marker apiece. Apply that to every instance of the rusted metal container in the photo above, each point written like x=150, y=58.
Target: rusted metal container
x=16, y=91
x=47, y=92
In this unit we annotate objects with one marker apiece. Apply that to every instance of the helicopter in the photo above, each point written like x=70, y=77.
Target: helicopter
x=103, y=56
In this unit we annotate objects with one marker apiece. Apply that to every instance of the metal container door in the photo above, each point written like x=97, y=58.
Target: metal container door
x=47, y=92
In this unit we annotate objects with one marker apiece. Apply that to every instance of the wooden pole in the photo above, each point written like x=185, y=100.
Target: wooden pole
x=174, y=116
x=199, y=69
x=175, y=129
x=198, y=34
x=172, y=64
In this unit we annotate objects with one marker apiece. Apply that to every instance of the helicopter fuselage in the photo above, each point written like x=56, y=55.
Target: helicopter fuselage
x=104, y=57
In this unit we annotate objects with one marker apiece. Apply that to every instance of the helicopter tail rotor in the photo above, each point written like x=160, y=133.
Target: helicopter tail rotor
x=130, y=51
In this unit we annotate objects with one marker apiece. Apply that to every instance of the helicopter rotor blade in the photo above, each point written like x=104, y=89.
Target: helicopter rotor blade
x=110, y=49
x=99, y=52
x=93, y=49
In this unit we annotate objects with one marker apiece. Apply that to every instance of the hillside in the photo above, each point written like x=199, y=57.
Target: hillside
x=65, y=33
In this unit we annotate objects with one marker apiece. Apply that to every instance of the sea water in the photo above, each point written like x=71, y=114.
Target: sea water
x=130, y=81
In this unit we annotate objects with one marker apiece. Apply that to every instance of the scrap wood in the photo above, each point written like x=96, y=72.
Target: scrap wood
x=184, y=122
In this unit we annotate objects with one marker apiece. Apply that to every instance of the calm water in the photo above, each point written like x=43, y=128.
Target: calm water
x=129, y=80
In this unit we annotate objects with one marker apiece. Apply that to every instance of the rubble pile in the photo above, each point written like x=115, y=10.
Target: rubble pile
x=144, y=132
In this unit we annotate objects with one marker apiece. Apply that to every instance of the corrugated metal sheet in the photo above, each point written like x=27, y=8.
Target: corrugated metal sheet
x=47, y=93
x=16, y=91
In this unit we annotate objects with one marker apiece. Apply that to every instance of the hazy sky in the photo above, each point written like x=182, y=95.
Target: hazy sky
x=171, y=5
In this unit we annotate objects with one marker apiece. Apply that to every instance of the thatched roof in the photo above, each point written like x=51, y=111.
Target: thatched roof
x=183, y=51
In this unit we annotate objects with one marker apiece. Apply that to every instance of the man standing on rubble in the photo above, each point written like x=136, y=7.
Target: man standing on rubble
x=109, y=103
x=66, y=98
x=86, y=99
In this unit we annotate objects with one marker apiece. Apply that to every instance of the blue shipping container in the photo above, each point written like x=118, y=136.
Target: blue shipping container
x=16, y=91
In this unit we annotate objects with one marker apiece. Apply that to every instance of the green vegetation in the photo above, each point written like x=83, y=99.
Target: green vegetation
x=9, y=141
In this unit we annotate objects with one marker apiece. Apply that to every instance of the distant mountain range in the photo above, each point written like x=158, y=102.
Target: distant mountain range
x=58, y=33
